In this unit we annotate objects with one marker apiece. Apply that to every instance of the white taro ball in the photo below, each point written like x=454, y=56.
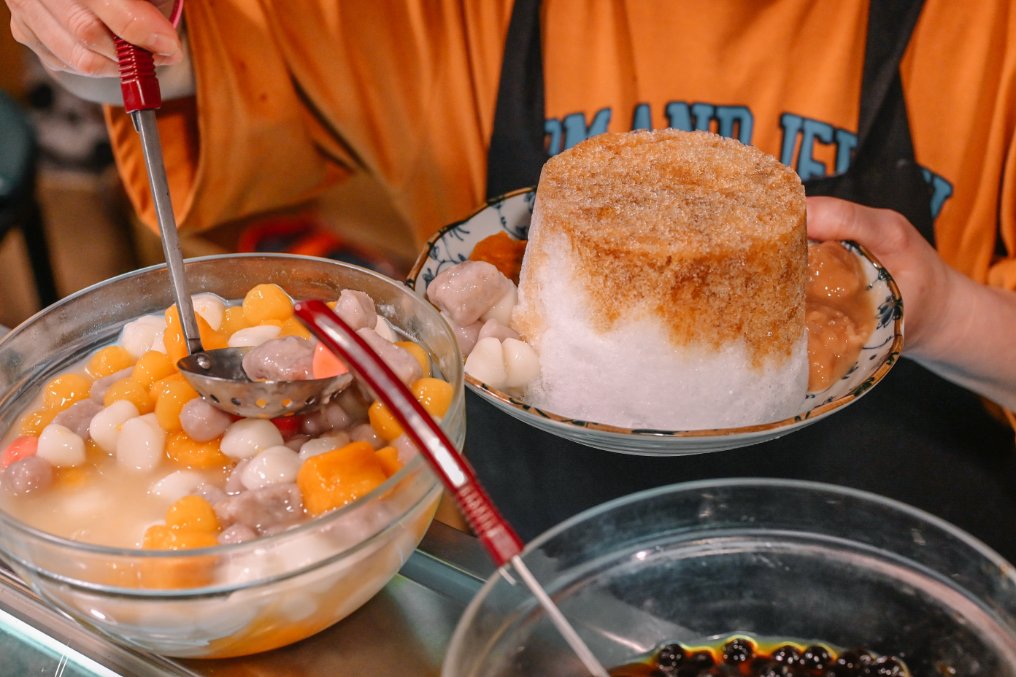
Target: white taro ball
x=61, y=446
x=105, y=426
x=142, y=444
x=486, y=363
x=251, y=337
x=246, y=437
x=274, y=465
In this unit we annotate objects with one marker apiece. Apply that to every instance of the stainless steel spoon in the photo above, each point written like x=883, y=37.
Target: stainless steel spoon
x=217, y=375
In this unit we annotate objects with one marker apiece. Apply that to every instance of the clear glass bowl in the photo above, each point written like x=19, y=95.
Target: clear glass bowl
x=280, y=588
x=773, y=559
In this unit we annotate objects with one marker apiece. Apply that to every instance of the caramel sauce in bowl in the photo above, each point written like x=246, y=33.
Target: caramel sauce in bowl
x=838, y=313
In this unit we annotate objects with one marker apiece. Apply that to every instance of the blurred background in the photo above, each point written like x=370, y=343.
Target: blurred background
x=89, y=226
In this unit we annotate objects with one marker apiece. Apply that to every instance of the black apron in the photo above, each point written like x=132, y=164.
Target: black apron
x=915, y=437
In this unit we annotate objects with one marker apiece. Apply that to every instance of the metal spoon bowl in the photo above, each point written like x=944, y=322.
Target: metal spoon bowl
x=219, y=377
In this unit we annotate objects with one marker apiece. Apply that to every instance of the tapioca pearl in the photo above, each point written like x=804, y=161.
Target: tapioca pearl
x=497, y=329
x=293, y=327
x=202, y=422
x=406, y=448
x=304, y=551
x=233, y=320
x=332, y=416
x=173, y=394
x=233, y=483
x=418, y=353
x=267, y=302
x=253, y=336
x=356, y=308
x=210, y=492
x=486, y=363
x=64, y=390
x=237, y=533
x=141, y=445
x=297, y=441
x=502, y=308
x=353, y=403
x=152, y=366
x=78, y=416
x=364, y=432
x=211, y=307
x=246, y=437
x=275, y=465
x=400, y=361
x=384, y=328
x=159, y=341
x=522, y=364
x=106, y=425
x=132, y=391
x=109, y=360
x=61, y=447
x=143, y=334
x=192, y=512
x=26, y=476
x=384, y=422
x=323, y=444
x=245, y=565
x=466, y=336
x=177, y=484
x=434, y=394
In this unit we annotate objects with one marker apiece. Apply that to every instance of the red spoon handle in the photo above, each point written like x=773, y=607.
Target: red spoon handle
x=138, y=83
x=501, y=542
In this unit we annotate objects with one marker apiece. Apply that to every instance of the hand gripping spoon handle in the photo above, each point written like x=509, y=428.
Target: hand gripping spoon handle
x=497, y=536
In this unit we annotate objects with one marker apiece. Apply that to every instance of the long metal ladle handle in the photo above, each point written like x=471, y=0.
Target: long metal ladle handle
x=141, y=97
x=494, y=532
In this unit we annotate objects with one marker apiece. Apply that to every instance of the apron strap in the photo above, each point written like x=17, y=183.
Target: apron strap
x=884, y=172
x=890, y=25
x=517, y=149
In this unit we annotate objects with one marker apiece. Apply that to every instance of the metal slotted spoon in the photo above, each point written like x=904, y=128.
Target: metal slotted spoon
x=217, y=375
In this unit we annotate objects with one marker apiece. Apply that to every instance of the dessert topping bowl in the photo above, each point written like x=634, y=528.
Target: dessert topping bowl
x=266, y=592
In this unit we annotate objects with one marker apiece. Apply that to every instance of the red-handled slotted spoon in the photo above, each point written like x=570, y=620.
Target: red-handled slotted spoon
x=500, y=540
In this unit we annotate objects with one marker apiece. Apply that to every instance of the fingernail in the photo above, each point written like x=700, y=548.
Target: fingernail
x=165, y=45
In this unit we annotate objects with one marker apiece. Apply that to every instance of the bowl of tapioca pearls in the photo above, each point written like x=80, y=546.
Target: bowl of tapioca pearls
x=131, y=503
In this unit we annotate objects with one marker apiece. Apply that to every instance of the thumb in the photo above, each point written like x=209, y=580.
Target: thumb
x=831, y=218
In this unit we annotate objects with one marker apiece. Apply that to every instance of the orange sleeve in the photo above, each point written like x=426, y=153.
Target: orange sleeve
x=249, y=149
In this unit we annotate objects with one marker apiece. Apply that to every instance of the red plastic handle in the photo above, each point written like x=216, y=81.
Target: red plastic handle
x=138, y=83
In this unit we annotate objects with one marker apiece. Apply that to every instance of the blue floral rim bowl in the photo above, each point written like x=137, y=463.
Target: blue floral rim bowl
x=511, y=214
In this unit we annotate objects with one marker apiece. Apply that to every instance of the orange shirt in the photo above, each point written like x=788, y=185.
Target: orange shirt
x=292, y=96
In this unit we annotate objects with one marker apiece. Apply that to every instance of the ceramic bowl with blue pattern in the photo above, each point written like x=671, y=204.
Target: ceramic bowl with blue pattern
x=511, y=214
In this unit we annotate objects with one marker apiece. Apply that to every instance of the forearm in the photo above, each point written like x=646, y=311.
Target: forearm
x=974, y=344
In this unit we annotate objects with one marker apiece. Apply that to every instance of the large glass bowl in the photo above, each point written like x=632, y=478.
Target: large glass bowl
x=774, y=559
x=281, y=588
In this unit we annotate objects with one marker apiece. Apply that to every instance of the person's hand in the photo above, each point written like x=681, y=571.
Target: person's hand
x=955, y=326
x=924, y=279
x=76, y=36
